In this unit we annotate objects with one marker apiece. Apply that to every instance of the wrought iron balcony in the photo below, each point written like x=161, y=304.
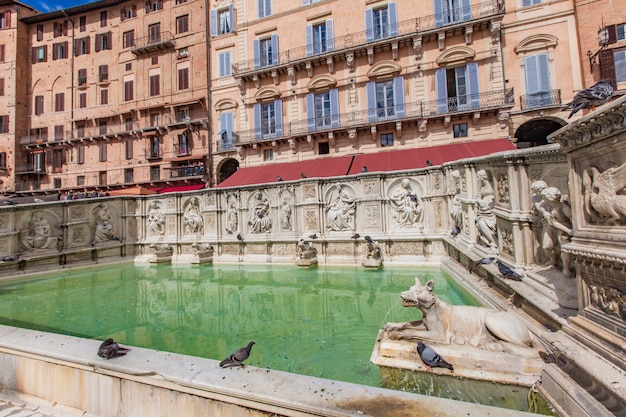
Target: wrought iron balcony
x=406, y=29
x=225, y=146
x=30, y=168
x=491, y=100
x=187, y=171
x=153, y=42
x=541, y=99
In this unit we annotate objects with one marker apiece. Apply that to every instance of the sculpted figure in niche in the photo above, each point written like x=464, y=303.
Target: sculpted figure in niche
x=456, y=208
x=194, y=223
x=538, y=213
x=232, y=218
x=485, y=217
x=260, y=220
x=156, y=220
x=406, y=209
x=38, y=234
x=306, y=250
x=285, y=215
x=557, y=228
x=341, y=209
x=104, y=226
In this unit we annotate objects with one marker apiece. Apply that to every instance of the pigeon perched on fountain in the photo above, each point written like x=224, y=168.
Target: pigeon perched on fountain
x=431, y=358
x=110, y=349
x=239, y=237
x=455, y=231
x=486, y=261
x=355, y=236
x=589, y=98
x=237, y=358
x=504, y=269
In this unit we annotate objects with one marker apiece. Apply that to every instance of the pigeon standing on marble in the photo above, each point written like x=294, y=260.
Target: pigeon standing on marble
x=355, y=236
x=486, y=261
x=431, y=358
x=110, y=349
x=596, y=95
x=239, y=237
x=237, y=358
x=455, y=231
x=508, y=272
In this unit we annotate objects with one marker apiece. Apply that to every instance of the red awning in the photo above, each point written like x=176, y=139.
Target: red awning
x=375, y=162
x=179, y=188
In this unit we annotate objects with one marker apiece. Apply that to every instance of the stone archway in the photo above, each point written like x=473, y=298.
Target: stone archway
x=535, y=132
x=226, y=169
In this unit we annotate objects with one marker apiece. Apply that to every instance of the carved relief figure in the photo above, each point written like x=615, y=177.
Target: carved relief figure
x=232, y=218
x=406, y=209
x=104, y=226
x=503, y=188
x=341, y=209
x=306, y=250
x=156, y=220
x=194, y=223
x=485, y=217
x=285, y=215
x=38, y=234
x=373, y=249
x=456, y=207
x=604, y=195
x=610, y=300
x=260, y=220
x=557, y=227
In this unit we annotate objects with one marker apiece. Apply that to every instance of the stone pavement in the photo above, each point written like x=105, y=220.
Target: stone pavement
x=19, y=405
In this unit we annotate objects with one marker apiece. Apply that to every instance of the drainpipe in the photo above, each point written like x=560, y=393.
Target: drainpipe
x=71, y=53
x=209, y=103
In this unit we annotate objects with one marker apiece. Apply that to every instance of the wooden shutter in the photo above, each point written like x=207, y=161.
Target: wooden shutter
x=278, y=110
x=1, y=86
x=330, y=35
x=38, y=105
x=393, y=18
x=442, y=90
x=398, y=95
x=369, y=25
x=370, y=90
x=98, y=42
x=607, y=65
x=473, y=89
x=257, y=120
x=308, y=35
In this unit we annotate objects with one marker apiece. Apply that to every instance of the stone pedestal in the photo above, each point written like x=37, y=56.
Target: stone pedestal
x=372, y=263
x=202, y=257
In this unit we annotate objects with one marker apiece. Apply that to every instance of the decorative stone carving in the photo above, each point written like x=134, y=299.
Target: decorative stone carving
x=503, y=189
x=341, y=209
x=508, y=244
x=78, y=235
x=155, y=223
x=162, y=253
x=480, y=327
x=232, y=215
x=608, y=299
x=309, y=191
x=456, y=207
x=557, y=228
x=307, y=254
x=104, y=229
x=604, y=198
x=38, y=234
x=485, y=217
x=77, y=212
x=259, y=219
x=374, y=256
x=285, y=215
x=405, y=206
x=370, y=187
x=193, y=220
x=4, y=221
x=310, y=220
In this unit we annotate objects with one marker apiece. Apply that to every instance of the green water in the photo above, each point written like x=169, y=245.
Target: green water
x=320, y=322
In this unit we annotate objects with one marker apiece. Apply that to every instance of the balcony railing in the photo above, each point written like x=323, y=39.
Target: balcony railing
x=154, y=153
x=156, y=41
x=541, y=99
x=30, y=169
x=416, y=110
x=187, y=171
x=223, y=146
x=407, y=27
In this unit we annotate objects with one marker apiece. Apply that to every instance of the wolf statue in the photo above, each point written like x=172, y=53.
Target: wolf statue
x=479, y=327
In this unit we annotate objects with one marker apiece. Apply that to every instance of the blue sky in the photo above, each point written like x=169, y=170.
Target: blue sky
x=52, y=5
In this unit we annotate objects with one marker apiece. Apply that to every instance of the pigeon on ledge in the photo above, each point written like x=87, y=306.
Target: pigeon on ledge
x=455, y=231
x=110, y=349
x=432, y=358
x=596, y=95
x=355, y=236
x=508, y=272
x=486, y=261
x=237, y=358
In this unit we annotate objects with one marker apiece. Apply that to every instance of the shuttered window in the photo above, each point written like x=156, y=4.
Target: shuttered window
x=183, y=78
x=155, y=85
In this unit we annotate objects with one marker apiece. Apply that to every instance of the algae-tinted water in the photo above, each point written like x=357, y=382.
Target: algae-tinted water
x=321, y=322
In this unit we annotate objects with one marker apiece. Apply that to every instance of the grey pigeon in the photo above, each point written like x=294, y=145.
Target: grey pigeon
x=432, y=358
x=313, y=236
x=486, y=261
x=237, y=358
x=455, y=231
x=110, y=349
x=596, y=95
x=239, y=237
x=508, y=272
x=368, y=239
x=355, y=236
x=230, y=232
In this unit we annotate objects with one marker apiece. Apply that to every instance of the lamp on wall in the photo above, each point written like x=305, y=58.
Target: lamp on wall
x=603, y=41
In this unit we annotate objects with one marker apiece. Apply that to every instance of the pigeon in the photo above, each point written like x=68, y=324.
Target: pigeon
x=230, y=232
x=302, y=175
x=355, y=236
x=364, y=169
x=432, y=358
x=110, y=349
x=368, y=239
x=596, y=95
x=486, y=261
x=279, y=178
x=237, y=358
x=239, y=237
x=429, y=162
x=508, y=272
x=455, y=231
x=313, y=236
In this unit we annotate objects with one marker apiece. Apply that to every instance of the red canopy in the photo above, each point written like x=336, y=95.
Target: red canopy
x=179, y=188
x=385, y=161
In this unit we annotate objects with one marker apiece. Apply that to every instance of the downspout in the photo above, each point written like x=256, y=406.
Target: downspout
x=71, y=53
x=209, y=104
